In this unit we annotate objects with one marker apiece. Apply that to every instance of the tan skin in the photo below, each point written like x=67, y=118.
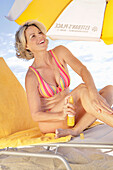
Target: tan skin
x=88, y=106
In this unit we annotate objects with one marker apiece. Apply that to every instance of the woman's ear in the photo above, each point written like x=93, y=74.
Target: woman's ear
x=27, y=48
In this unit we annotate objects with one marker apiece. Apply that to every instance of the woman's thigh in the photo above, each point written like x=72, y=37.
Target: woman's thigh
x=76, y=97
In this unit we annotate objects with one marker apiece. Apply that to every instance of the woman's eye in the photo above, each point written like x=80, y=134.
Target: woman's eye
x=32, y=36
x=40, y=32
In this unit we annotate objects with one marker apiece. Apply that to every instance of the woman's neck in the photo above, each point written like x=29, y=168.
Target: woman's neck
x=41, y=59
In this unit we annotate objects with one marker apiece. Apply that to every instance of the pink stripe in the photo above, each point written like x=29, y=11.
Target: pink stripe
x=44, y=86
x=59, y=64
x=66, y=78
x=48, y=88
x=61, y=69
x=42, y=83
x=40, y=90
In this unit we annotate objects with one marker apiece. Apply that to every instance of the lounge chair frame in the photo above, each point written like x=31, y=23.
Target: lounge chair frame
x=55, y=155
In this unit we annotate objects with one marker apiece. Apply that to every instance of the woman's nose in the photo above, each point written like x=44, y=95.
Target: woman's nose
x=39, y=35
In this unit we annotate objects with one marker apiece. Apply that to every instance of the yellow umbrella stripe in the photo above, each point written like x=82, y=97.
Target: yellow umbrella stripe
x=45, y=11
x=107, y=32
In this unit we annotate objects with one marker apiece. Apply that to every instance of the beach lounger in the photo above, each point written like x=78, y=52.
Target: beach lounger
x=17, y=129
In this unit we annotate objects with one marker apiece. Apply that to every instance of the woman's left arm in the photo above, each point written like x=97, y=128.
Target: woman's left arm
x=67, y=57
x=97, y=100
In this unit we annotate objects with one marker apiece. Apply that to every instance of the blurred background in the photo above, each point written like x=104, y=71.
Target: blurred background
x=97, y=56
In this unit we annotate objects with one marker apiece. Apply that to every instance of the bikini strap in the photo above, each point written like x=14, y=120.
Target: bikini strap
x=55, y=58
x=44, y=88
x=60, y=66
x=36, y=73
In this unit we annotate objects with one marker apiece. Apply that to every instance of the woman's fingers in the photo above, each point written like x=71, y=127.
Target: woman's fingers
x=68, y=108
x=69, y=111
x=68, y=105
x=66, y=99
x=106, y=106
x=107, y=110
x=101, y=107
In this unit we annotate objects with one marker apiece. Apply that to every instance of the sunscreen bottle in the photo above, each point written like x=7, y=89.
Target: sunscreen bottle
x=71, y=118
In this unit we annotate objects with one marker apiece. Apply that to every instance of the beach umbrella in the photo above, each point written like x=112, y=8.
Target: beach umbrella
x=68, y=19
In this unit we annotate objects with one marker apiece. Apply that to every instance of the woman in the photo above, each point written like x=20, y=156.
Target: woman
x=47, y=85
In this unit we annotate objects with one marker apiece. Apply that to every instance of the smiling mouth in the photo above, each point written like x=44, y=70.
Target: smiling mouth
x=41, y=42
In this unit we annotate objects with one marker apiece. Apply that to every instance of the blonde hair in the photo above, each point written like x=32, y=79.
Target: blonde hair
x=20, y=39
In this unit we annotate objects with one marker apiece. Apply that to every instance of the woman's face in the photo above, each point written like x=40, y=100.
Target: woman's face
x=36, y=40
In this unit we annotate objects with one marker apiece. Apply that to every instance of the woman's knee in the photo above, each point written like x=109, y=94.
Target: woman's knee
x=107, y=89
x=81, y=86
x=107, y=93
x=78, y=89
x=76, y=93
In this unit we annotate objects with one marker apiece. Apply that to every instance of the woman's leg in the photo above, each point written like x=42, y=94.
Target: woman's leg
x=107, y=93
x=86, y=114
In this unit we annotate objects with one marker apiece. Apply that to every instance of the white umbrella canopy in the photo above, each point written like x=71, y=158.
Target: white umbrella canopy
x=68, y=19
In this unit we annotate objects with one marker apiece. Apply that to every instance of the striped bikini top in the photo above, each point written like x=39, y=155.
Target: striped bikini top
x=47, y=90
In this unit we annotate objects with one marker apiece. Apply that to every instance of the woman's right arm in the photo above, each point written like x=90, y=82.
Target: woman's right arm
x=31, y=85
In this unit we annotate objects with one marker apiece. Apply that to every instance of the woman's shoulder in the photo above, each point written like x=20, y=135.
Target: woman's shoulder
x=61, y=52
x=29, y=73
x=30, y=77
x=59, y=49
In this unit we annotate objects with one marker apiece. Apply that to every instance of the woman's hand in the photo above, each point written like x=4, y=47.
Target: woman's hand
x=68, y=108
x=100, y=104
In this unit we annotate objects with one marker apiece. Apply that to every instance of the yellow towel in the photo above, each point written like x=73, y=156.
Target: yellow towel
x=30, y=137
x=16, y=125
x=14, y=111
x=95, y=124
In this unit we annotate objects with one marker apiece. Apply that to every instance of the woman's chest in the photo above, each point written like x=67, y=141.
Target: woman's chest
x=50, y=75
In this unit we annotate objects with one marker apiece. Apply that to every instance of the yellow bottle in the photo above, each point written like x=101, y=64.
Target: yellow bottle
x=71, y=118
